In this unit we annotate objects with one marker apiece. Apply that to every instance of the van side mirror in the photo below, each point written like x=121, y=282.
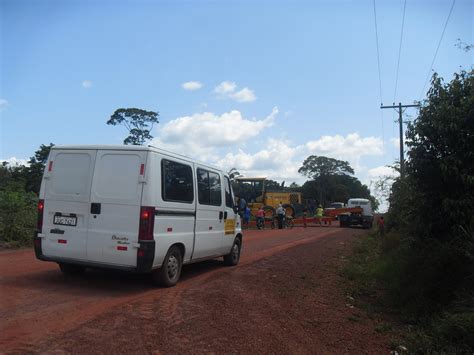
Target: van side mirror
x=236, y=209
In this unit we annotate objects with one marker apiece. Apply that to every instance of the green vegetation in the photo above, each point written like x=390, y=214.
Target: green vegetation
x=330, y=181
x=423, y=267
x=19, y=188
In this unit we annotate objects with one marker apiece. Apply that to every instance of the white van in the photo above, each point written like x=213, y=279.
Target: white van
x=135, y=208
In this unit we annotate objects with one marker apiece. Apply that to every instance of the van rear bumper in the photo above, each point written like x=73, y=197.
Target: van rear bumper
x=145, y=257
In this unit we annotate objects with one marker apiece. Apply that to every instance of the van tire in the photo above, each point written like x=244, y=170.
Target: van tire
x=71, y=269
x=170, y=272
x=233, y=257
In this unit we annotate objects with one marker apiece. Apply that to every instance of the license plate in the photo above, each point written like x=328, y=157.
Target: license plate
x=65, y=220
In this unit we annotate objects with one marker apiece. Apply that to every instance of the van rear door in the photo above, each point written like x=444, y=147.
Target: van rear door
x=67, y=184
x=115, y=206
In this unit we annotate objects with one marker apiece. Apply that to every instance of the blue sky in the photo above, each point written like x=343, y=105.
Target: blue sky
x=280, y=80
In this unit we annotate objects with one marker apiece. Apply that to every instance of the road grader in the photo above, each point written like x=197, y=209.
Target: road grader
x=256, y=194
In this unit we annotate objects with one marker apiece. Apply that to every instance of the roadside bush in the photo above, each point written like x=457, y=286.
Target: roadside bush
x=424, y=266
x=17, y=217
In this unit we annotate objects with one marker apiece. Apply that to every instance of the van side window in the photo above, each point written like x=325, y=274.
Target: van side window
x=209, y=188
x=228, y=194
x=177, y=182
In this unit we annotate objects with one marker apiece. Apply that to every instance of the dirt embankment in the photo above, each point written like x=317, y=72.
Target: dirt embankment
x=284, y=297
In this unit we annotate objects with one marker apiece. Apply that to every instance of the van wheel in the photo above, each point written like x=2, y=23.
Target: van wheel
x=233, y=257
x=170, y=272
x=71, y=269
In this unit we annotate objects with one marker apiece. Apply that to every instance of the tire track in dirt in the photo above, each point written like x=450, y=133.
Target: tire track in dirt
x=275, y=305
x=24, y=331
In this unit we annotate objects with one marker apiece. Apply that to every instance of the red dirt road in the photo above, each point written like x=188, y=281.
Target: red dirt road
x=285, y=296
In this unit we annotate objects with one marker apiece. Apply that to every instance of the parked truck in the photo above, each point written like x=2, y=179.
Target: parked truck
x=358, y=212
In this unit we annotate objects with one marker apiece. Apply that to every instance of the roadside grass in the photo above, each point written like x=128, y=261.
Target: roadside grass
x=17, y=218
x=376, y=273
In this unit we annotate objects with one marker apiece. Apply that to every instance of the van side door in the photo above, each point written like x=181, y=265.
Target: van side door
x=230, y=219
x=209, y=229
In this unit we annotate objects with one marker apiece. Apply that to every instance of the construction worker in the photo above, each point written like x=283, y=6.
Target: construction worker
x=319, y=214
x=280, y=212
x=381, y=224
x=260, y=218
x=246, y=216
x=242, y=207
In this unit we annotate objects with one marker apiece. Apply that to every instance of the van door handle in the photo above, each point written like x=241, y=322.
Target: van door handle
x=221, y=215
x=95, y=208
x=225, y=215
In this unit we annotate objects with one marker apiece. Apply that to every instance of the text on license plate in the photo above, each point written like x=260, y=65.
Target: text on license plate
x=65, y=220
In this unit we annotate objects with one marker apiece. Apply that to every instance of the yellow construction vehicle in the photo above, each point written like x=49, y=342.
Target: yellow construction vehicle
x=256, y=195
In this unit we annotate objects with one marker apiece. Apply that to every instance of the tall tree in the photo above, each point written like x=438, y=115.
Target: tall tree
x=34, y=172
x=433, y=206
x=321, y=170
x=138, y=122
x=315, y=166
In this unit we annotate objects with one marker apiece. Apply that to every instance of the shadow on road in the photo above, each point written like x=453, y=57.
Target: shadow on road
x=101, y=282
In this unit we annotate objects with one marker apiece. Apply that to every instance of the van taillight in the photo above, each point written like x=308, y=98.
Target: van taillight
x=39, y=225
x=147, y=223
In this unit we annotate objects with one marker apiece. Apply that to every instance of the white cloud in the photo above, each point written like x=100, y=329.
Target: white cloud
x=15, y=161
x=381, y=171
x=86, y=84
x=350, y=148
x=244, y=95
x=395, y=142
x=227, y=90
x=3, y=104
x=227, y=141
x=191, y=85
x=200, y=134
x=225, y=87
x=278, y=161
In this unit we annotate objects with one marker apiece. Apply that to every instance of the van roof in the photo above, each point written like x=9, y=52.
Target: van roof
x=132, y=147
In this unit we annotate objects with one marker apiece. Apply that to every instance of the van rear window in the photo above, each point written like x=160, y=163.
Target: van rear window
x=117, y=177
x=71, y=174
x=177, y=182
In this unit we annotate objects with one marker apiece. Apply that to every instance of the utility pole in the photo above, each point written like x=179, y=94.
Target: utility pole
x=400, y=123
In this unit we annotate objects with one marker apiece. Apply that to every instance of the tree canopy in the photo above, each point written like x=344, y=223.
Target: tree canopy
x=330, y=181
x=432, y=207
x=138, y=122
x=315, y=166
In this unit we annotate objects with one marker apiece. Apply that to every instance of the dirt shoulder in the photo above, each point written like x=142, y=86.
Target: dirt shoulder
x=289, y=302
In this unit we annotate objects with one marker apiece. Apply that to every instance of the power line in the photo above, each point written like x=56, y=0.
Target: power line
x=380, y=79
x=400, y=50
x=437, y=48
x=378, y=52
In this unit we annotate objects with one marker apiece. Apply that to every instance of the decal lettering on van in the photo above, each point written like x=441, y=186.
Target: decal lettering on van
x=229, y=227
x=114, y=237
